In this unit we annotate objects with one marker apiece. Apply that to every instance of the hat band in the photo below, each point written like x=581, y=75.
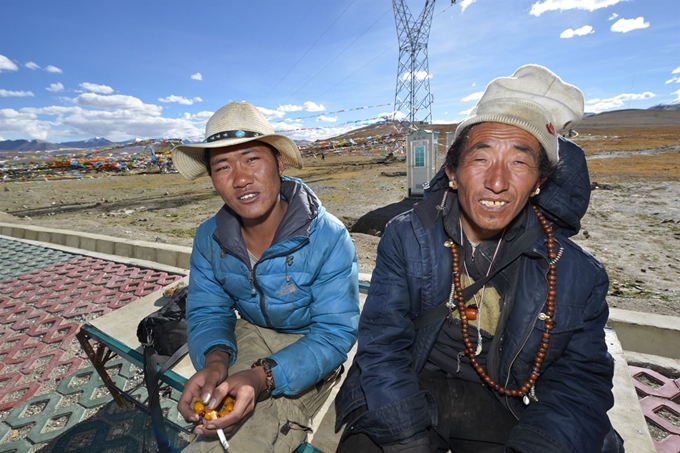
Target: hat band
x=232, y=134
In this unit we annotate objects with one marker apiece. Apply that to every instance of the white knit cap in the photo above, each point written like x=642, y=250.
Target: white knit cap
x=232, y=124
x=534, y=99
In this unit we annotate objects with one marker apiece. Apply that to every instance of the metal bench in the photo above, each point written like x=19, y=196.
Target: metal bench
x=115, y=335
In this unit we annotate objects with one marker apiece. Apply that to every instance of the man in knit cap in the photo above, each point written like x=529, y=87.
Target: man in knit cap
x=288, y=267
x=483, y=330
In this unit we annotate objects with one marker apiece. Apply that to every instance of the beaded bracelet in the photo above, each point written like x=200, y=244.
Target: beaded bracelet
x=266, y=365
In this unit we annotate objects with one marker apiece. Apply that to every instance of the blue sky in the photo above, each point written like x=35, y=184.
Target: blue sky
x=78, y=69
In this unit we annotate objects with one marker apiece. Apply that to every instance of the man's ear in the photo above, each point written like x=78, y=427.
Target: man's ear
x=281, y=164
x=537, y=189
x=453, y=182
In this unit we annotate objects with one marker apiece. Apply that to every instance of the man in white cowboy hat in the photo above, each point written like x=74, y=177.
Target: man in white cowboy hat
x=288, y=267
x=483, y=329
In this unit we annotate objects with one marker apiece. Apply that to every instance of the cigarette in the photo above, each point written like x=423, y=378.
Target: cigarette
x=223, y=440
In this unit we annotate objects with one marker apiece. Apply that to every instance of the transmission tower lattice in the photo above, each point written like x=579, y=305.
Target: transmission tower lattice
x=412, y=96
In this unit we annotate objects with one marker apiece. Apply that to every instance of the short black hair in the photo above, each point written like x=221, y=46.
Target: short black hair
x=546, y=169
x=206, y=156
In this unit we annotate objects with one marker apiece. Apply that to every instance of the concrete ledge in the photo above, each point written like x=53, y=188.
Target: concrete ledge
x=165, y=254
x=646, y=333
x=626, y=416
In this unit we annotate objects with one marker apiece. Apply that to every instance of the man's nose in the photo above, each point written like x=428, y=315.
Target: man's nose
x=497, y=178
x=242, y=176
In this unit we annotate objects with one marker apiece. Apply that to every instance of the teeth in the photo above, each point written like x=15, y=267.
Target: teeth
x=492, y=204
x=245, y=197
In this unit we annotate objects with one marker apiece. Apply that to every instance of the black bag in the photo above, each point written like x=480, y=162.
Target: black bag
x=165, y=330
x=163, y=333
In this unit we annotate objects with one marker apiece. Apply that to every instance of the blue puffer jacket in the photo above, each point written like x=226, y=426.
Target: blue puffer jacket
x=306, y=283
x=413, y=275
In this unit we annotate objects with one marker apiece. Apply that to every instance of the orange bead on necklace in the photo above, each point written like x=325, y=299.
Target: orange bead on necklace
x=547, y=316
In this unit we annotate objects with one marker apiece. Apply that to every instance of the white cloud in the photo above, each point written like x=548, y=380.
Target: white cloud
x=24, y=124
x=466, y=112
x=53, y=69
x=93, y=87
x=32, y=66
x=539, y=8
x=675, y=79
x=600, y=105
x=122, y=125
x=15, y=94
x=116, y=124
x=287, y=108
x=626, y=25
x=465, y=3
x=310, y=106
x=327, y=119
x=197, y=76
x=419, y=75
x=272, y=114
x=585, y=30
x=7, y=65
x=203, y=115
x=473, y=97
x=55, y=87
x=118, y=102
x=281, y=110
x=180, y=100
x=613, y=16
x=677, y=93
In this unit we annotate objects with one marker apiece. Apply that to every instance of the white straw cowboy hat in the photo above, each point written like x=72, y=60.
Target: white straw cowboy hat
x=235, y=123
x=534, y=99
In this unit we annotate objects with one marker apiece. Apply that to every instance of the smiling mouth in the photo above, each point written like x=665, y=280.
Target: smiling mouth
x=493, y=204
x=247, y=197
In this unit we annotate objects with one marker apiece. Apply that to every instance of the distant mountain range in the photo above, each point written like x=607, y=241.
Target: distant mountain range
x=625, y=116
x=41, y=145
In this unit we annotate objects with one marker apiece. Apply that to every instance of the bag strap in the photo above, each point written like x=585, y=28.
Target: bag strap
x=152, y=379
x=515, y=251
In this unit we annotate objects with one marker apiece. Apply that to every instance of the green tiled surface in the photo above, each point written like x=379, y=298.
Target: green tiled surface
x=17, y=258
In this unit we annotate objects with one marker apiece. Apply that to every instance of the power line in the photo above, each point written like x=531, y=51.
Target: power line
x=307, y=51
x=338, y=55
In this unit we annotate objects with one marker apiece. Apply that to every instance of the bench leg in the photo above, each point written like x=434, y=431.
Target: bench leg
x=99, y=357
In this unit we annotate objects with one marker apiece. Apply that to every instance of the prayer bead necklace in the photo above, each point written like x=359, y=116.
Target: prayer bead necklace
x=547, y=316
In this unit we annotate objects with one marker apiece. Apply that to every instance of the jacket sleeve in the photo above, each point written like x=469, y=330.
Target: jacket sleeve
x=334, y=313
x=397, y=409
x=574, y=392
x=210, y=311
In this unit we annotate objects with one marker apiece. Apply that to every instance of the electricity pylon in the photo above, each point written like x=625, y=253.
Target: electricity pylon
x=412, y=96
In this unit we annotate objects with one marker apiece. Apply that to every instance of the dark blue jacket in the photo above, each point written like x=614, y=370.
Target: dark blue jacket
x=413, y=275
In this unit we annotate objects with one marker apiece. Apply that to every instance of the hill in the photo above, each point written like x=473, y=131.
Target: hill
x=661, y=115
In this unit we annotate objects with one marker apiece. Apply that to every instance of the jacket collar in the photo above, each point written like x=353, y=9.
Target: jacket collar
x=303, y=208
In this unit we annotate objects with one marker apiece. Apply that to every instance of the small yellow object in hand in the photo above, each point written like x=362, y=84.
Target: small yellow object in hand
x=212, y=414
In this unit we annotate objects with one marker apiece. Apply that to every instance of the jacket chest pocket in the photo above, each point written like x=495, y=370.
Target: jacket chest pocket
x=568, y=320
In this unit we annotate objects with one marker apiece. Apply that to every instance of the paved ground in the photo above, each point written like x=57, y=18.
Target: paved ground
x=52, y=400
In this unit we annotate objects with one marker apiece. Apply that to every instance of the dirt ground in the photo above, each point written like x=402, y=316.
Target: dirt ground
x=632, y=225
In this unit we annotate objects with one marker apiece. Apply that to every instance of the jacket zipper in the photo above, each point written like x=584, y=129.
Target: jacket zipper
x=526, y=339
x=256, y=286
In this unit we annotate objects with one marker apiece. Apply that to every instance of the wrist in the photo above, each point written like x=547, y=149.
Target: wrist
x=218, y=354
x=266, y=366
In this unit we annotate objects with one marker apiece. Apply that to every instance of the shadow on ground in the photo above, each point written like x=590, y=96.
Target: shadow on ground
x=374, y=222
x=112, y=428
